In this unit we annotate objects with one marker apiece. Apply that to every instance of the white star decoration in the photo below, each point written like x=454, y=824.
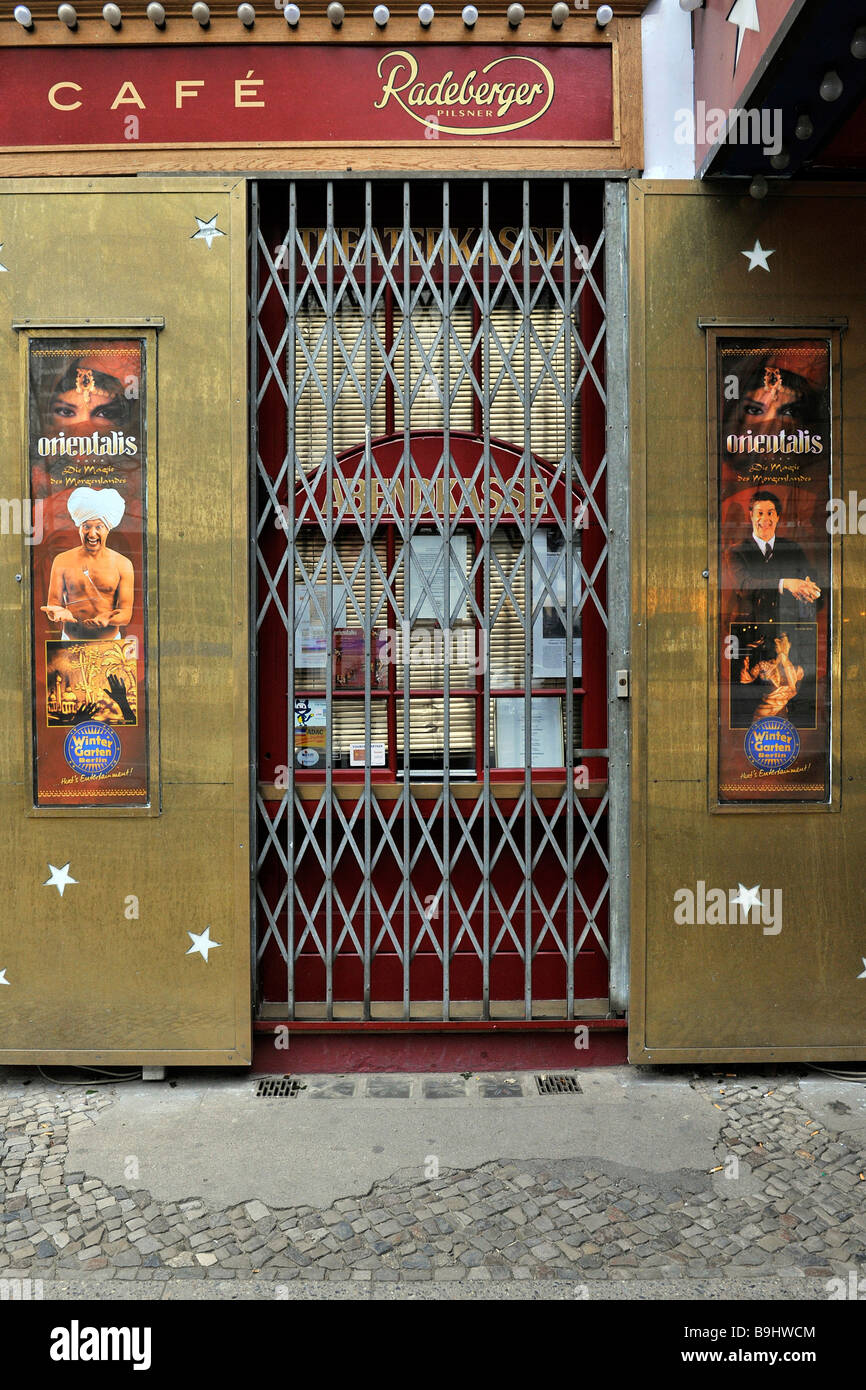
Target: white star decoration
x=201, y=944
x=743, y=13
x=207, y=231
x=60, y=878
x=758, y=257
x=747, y=898
x=863, y=976
x=3, y=267
x=4, y=981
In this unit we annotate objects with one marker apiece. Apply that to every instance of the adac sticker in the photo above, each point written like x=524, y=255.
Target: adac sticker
x=772, y=744
x=92, y=749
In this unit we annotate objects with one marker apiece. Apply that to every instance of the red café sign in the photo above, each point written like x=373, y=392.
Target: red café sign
x=318, y=93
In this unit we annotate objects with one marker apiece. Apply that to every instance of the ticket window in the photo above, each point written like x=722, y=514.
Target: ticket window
x=401, y=582
x=409, y=639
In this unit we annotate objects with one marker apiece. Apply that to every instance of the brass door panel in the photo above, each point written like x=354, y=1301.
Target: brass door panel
x=107, y=971
x=714, y=990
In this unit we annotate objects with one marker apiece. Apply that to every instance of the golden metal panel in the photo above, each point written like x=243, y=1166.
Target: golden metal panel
x=733, y=993
x=86, y=982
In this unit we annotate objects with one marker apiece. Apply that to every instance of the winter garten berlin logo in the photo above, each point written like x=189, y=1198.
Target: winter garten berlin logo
x=772, y=744
x=92, y=749
x=495, y=100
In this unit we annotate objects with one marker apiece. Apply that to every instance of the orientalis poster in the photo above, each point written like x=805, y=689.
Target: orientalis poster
x=774, y=463
x=87, y=455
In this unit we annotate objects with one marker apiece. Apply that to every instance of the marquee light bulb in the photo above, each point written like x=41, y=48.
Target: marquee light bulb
x=111, y=14
x=247, y=16
x=603, y=16
x=758, y=187
x=832, y=86
x=689, y=5
x=781, y=160
x=66, y=14
x=336, y=13
x=425, y=15
x=292, y=15
x=858, y=43
x=470, y=16
x=559, y=14
x=515, y=15
x=201, y=13
x=156, y=14
x=804, y=129
x=381, y=15
x=22, y=16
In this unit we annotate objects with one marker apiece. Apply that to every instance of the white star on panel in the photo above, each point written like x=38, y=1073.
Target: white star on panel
x=747, y=898
x=207, y=231
x=201, y=944
x=863, y=976
x=758, y=257
x=4, y=981
x=743, y=13
x=60, y=878
x=3, y=267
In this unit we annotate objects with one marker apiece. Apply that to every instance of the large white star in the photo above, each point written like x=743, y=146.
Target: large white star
x=747, y=898
x=4, y=981
x=3, y=267
x=743, y=13
x=207, y=231
x=60, y=878
x=201, y=944
x=758, y=257
x=863, y=976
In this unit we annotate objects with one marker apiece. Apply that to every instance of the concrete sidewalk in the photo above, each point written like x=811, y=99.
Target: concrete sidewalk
x=645, y=1184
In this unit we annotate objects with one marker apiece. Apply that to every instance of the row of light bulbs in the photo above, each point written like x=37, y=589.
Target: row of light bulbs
x=112, y=15
x=830, y=89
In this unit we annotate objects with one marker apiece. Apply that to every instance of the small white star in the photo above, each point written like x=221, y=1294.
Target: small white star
x=758, y=257
x=3, y=267
x=201, y=944
x=60, y=878
x=747, y=898
x=863, y=976
x=207, y=231
x=4, y=981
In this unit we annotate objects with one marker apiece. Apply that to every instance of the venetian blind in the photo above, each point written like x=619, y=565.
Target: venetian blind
x=358, y=391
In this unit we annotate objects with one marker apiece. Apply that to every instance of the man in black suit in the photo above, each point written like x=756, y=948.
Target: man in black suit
x=769, y=573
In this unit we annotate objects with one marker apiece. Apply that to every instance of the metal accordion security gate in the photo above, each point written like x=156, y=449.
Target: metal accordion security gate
x=435, y=799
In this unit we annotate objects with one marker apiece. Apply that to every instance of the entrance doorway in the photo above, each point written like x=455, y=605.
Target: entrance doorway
x=432, y=553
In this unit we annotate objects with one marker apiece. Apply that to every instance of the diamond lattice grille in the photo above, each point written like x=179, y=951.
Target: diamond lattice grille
x=432, y=553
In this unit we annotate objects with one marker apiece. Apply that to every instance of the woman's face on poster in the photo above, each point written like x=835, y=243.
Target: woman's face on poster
x=90, y=407
x=771, y=409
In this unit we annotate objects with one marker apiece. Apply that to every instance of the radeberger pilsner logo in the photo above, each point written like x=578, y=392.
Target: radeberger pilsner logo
x=507, y=94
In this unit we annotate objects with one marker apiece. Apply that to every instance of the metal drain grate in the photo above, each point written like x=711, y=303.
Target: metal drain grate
x=278, y=1087
x=558, y=1085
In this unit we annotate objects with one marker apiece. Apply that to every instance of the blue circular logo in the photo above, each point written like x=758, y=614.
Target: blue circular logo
x=772, y=744
x=92, y=749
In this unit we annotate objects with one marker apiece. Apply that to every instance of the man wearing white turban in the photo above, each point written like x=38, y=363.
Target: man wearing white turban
x=91, y=587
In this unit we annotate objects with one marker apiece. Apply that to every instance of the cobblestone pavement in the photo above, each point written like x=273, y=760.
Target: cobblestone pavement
x=786, y=1198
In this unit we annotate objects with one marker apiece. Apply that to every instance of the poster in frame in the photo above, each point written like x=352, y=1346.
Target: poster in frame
x=773, y=432
x=90, y=562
